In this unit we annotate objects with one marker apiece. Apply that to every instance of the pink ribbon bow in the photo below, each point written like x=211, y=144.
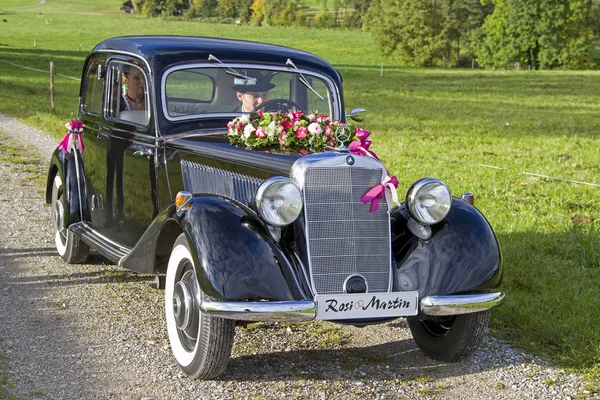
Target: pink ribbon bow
x=73, y=138
x=361, y=146
x=377, y=192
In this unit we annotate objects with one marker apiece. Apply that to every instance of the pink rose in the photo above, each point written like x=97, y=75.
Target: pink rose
x=303, y=152
x=295, y=116
x=328, y=129
x=301, y=132
x=261, y=133
x=322, y=118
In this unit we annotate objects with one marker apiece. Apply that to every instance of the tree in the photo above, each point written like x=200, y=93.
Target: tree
x=202, y=9
x=353, y=19
x=413, y=28
x=425, y=32
x=541, y=34
x=462, y=18
x=156, y=8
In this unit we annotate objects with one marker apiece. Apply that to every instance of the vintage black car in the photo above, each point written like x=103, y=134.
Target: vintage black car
x=247, y=235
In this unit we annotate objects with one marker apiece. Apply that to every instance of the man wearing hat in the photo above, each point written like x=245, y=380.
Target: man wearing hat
x=253, y=91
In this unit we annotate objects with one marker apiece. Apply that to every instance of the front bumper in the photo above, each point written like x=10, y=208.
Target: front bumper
x=302, y=311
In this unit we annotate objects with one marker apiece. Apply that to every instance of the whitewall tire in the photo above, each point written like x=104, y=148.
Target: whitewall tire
x=69, y=246
x=201, y=344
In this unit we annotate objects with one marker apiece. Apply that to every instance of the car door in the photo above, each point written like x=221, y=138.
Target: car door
x=91, y=115
x=129, y=199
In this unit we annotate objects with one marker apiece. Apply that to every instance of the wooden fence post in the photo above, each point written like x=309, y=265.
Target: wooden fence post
x=52, y=87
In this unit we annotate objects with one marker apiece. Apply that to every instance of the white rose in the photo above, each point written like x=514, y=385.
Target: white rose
x=244, y=119
x=315, y=128
x=271, y=129
x=248, y=129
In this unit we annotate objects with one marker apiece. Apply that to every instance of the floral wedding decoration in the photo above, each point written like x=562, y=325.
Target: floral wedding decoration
x=72, y=139
x=305, y=134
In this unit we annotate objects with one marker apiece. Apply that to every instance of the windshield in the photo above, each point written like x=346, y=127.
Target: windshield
x=196, y=91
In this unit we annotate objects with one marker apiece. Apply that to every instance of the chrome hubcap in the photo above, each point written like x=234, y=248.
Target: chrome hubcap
x=186, y=306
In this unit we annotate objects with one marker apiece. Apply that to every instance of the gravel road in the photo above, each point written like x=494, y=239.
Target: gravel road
x=96, y=331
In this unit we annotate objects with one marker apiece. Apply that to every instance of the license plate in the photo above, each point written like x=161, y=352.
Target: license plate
x=367, y=305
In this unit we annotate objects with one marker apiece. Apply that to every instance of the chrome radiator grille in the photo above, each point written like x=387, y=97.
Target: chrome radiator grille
x=344, y=237
x=199, y=178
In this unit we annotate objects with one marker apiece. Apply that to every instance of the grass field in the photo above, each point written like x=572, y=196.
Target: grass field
x=477, y=130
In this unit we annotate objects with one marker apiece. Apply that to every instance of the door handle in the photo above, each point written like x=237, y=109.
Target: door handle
x=144, y=152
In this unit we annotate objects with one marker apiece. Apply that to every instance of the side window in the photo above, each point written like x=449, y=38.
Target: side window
x=94, y=89
x=127, y=94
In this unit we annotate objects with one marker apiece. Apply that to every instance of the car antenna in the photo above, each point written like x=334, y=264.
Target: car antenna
x=302, y=78
x=230, y=70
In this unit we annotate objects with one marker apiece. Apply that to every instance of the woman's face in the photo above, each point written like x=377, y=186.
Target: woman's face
x=135, y=83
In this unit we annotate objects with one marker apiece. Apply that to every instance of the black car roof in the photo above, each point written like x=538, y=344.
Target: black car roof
x=162, y=51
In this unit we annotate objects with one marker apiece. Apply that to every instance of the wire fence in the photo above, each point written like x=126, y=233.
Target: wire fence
x=39, y=70
x=406, y=152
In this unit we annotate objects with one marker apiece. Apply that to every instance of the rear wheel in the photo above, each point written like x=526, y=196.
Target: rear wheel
x=200, y=343
x=450, y=338
x=70, y=247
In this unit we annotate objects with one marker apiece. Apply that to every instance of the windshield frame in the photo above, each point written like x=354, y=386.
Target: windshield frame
x=335, y=92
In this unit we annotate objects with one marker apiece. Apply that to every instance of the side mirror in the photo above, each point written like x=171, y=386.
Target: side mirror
x=355, y=114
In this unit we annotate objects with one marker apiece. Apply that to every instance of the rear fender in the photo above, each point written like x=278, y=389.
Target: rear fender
x=462, y=255
x=64, y=164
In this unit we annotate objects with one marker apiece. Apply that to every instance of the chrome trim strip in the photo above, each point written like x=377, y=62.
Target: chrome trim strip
x=109, y=248
x=267, y=311
x=460, y=304
x=336, y=103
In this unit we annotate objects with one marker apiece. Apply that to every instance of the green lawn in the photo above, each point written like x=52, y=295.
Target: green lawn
x=477, y=130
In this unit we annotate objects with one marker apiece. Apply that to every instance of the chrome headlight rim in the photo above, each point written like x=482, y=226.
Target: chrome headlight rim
x=411, y=199
x=260, y=195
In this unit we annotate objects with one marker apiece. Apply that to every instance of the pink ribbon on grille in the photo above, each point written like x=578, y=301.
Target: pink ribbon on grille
x=377, y=192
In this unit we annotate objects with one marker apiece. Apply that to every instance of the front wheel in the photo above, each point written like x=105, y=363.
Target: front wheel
x=70, y=247
x=200, y=343
x=450, y=338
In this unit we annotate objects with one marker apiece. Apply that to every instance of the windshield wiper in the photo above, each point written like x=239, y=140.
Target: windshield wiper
x=231, y=71
x=302, y=78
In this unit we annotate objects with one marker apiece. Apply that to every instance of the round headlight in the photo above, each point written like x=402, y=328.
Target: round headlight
x=279, y=201
x=428, y=201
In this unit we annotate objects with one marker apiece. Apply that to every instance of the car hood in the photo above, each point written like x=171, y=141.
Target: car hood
x=215, y=147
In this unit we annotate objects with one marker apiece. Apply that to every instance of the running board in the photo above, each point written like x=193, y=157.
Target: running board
x=110, y=249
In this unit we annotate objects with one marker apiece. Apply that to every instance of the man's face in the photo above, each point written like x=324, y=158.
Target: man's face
x=251, y=100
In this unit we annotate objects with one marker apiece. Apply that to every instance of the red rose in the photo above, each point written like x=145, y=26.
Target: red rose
x=286, y=123
x=260, y=133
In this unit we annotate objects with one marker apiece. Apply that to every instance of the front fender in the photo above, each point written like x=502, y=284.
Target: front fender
x=462, y=255
x=235, y=257
x=64, y=164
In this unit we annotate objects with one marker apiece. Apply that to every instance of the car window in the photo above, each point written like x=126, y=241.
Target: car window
x=94, y=89
x=192, y=92
x=190, y=85
x=127, y=94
